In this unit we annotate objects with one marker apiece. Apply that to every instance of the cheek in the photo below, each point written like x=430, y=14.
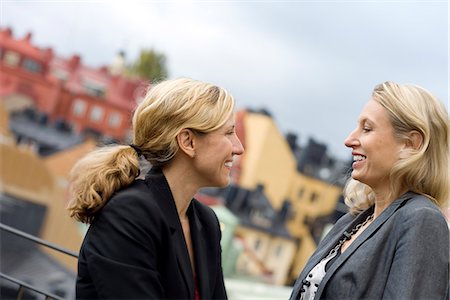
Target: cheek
x=225, y=145
x=382, y=143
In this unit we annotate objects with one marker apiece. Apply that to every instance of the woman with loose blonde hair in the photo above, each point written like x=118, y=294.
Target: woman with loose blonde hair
x=394, y=242
x=425, y=170
x=148, y=235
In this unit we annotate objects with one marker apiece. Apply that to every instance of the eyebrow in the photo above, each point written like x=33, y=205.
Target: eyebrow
x=369, y=123
x=365, y=120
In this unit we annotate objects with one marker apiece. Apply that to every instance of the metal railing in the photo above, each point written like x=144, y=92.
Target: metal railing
x=23, y=286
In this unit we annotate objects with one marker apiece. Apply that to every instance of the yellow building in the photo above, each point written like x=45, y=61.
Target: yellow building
x=24, y=175
x=311, y=199
x=265, y=256
x=269, y=160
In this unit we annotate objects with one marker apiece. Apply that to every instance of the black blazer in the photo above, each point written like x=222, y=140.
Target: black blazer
x=402, y=254
x=135, y=248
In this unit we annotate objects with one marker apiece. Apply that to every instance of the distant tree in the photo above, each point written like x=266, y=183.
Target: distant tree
x=150, y=65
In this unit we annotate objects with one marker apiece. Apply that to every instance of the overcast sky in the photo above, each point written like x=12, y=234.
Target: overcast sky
x=312, y=64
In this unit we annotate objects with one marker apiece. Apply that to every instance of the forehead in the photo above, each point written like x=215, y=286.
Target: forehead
x=374, y=112
x=229, y=122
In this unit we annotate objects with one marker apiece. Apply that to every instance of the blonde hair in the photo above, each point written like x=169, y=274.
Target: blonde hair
x=426, y=169
x=167, y=108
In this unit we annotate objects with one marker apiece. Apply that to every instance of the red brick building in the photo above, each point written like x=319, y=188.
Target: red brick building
x=90, y=99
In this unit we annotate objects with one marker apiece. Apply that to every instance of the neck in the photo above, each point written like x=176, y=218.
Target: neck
x=383, y=198
x=181, y=186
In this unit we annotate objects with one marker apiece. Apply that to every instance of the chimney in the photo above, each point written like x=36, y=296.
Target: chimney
x=48, y=54
x=117, y=66
x=74, y=62
x=103, y=70
x=7, y=31
x=28, y=37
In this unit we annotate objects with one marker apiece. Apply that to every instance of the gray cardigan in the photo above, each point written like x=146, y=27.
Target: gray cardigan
x=403, y=254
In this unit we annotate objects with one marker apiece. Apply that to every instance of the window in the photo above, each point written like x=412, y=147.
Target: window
x=279, y=250
x=94, y=88
x=32, y=65
x=11, y=58
x=314, y=197
x=114, y=120
x=96, y=114
x=61, y=74
x=79, y=108
x=257, y=244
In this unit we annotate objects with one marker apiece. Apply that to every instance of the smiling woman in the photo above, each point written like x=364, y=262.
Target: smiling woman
x=394, y=243
x=375, y=148
x=214, y=157
x=148, y=238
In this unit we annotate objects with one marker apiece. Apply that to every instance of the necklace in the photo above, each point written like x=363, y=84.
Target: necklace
x=348, y=235
x=310, y=285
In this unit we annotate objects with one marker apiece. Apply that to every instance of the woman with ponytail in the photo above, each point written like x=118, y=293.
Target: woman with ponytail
x=149, y=238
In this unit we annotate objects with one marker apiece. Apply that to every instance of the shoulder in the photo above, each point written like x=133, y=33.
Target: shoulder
x=133, y=203
x=421, y=206
x=420, y=214
x=131, y=215
x=136, y=193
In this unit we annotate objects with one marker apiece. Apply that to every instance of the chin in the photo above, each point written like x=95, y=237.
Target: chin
x=359, y=179
x=355, y=176
x=225, y=182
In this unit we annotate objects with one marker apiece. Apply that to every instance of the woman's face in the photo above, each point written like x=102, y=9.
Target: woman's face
x=214, y=155
x=374, y=148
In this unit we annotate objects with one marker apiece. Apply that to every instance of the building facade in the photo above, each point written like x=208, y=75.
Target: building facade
x=269, y=161
x=92, y=100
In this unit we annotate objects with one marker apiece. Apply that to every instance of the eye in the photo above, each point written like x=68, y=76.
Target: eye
x=231, y=131
x=367, y=129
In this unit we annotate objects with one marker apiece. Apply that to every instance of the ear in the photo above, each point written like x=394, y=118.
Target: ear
x=415, y=140
x=185, y=141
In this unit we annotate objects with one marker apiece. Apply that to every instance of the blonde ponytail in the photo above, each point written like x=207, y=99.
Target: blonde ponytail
x=97, y=176
x=167, y=108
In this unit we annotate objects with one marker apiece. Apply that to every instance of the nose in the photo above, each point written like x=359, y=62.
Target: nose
x=238, y=149
x=352, y=140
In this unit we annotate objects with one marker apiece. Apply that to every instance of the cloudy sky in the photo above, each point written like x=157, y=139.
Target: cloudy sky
x=312, y=64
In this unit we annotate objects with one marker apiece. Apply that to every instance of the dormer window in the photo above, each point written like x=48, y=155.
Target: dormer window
x=11, y=58
x=32, y=65
x=93, y=88
x=61, y=74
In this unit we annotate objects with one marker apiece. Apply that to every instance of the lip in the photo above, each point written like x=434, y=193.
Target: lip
x=357, y=153
x=358, y=163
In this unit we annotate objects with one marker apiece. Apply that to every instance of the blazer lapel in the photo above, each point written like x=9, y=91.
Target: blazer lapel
x=184, y=261
x=157, y=183
x=200, y=252
x=384, y=216
x=314, y=260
